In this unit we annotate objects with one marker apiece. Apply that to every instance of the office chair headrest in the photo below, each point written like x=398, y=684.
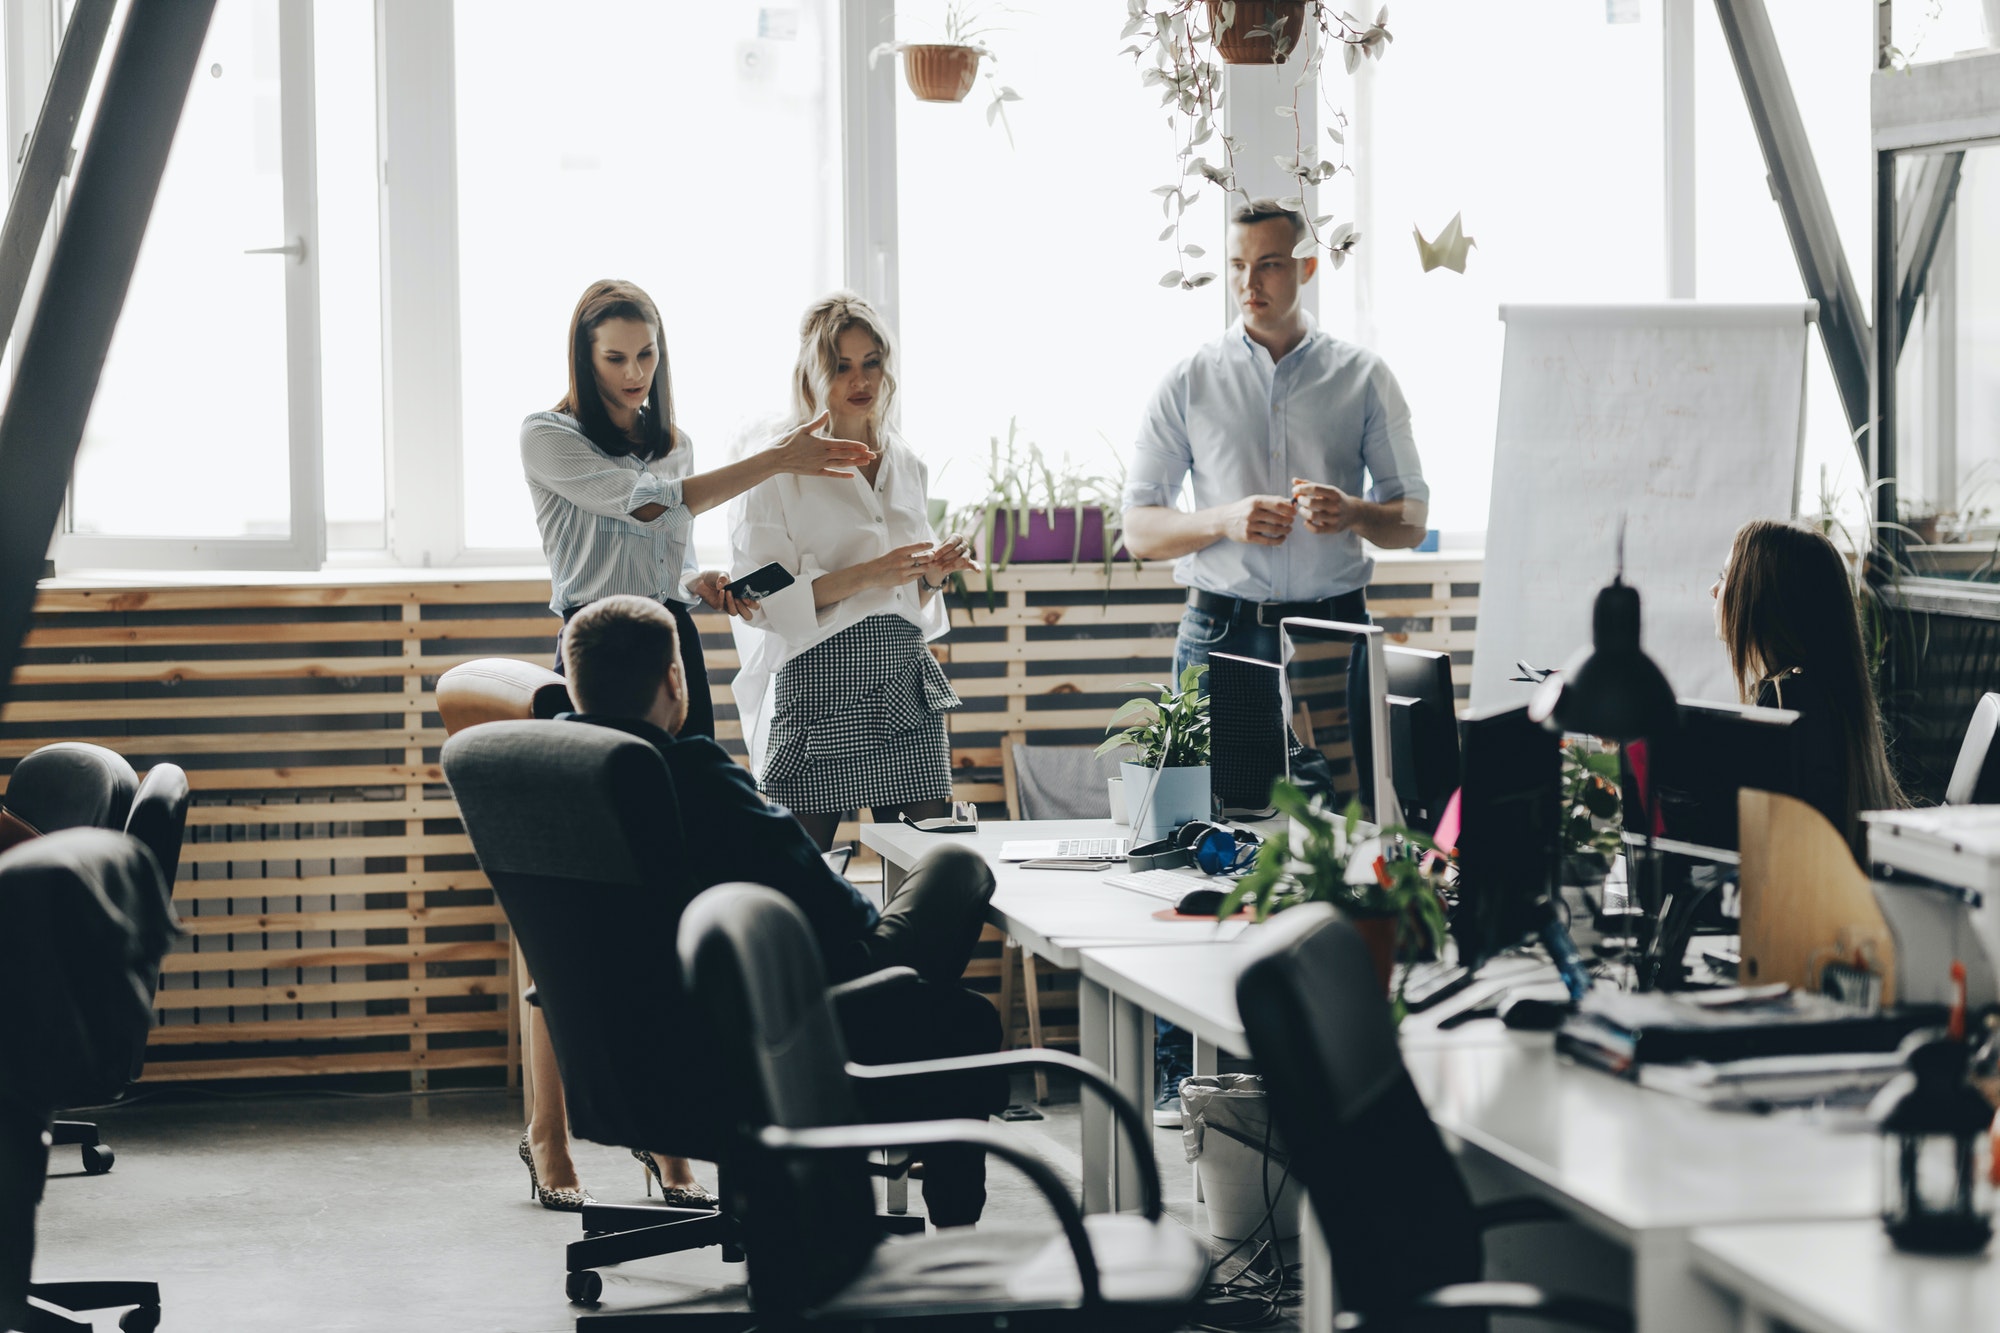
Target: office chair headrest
x=563, y=800
x=71, y=785
x=159, y=818
x=499, y=689
x=1312, y=972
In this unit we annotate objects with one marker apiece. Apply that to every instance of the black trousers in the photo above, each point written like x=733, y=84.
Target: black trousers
x=701, y=707
x=932, y=926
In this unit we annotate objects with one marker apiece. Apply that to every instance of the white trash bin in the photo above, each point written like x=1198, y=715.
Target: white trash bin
x=1225, y=1121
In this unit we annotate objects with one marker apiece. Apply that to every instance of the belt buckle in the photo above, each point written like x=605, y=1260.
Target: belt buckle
x=1264, y=612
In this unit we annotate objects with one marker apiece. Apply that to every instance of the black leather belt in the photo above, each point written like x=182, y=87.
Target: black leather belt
x=1267, y=613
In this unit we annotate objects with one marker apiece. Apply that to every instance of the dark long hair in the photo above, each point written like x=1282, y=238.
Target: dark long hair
x=605, y=299
x=1788, y=603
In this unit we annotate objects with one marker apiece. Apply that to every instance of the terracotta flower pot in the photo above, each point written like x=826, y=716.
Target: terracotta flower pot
x=1235, y=44
x=1379, y=934
x=940, y=73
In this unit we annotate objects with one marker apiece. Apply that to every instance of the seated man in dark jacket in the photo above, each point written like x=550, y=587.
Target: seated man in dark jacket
x=623, y=661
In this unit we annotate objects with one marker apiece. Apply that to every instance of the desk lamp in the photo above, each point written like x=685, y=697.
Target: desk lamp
x=1613, y=690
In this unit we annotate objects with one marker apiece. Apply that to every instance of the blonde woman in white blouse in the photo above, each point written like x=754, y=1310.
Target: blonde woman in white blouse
x=842, y=703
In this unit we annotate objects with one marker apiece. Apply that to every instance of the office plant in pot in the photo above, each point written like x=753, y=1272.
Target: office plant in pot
x=1387, y=885
x=1590, y=811
x=1170, y=732
x=944, y=71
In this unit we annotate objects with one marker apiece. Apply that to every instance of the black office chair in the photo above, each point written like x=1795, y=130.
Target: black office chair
x=799, y=1179
x=1975, y=778
x=70, y=784
x=87, y=924
x=1404, y=1234
x=576, y=827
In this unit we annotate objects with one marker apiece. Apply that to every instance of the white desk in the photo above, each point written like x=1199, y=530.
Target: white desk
x=1054, y=914
x=1643, y=1169
x=1844, y=1277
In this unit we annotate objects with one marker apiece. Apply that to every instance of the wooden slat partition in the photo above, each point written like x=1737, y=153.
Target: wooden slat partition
x=338, y=922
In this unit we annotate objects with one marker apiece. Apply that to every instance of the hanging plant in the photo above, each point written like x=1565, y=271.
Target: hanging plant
x=1177, y=45
x=945, y=71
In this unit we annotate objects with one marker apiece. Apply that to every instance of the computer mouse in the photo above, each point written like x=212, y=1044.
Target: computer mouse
x=1200, y=902
x=1533, y=1013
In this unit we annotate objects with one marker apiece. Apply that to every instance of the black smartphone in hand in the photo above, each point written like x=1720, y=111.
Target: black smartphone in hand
x=761, y=583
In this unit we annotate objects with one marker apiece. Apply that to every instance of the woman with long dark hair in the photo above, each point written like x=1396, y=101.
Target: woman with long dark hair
x=1784, y=608
x=616, y=494
x=614, y=484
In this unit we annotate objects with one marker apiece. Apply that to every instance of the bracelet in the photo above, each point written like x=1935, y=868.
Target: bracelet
x=929, y=586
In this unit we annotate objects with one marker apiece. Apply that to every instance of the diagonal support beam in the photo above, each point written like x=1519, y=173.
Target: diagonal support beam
x=1795, y=183
x=63, y=354
x=1921, y=213
x=47, y=158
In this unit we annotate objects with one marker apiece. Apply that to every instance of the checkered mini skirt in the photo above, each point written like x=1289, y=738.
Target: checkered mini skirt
x=859, y=720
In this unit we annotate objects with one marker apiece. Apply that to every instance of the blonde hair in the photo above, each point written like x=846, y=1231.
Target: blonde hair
x=819, y=353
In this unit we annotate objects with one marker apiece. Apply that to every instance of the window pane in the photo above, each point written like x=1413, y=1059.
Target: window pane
x=350, y=274
x=1939, y=29
x=1030, y=273
x=188, y=435
x=1555, y=161
x=710, y=176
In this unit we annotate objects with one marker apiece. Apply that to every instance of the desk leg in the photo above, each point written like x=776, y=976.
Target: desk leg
x=1668, y=1295
x=1093, y=1015
x=893, y=876
x=1316, y=1297
x=1132, y=1072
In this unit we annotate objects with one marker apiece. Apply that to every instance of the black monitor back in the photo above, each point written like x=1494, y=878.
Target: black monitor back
x=1509, y=849
x=1693, y=776
x=1423, y=732
x=1246, y=730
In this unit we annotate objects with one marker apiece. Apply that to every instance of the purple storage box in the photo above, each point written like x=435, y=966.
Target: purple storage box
x=1051, y=538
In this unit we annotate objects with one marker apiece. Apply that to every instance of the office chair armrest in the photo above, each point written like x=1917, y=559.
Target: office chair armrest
x=869, y=984
x=1515, y=1212
x=968, y=1133
x=532, y=996
x=1446, y=1308
x=1129, y=1120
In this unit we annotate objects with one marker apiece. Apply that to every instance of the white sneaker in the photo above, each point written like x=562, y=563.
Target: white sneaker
x=1167, y=1112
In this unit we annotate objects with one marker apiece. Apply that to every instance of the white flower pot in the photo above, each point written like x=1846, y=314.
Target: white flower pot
x=1184, y=795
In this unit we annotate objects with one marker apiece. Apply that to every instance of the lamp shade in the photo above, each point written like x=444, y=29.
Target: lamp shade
x=1610, y=689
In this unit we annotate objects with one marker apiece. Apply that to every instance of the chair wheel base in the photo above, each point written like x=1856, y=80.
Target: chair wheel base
x=97, y=1158
x=584, y=1288
x=140, y=1319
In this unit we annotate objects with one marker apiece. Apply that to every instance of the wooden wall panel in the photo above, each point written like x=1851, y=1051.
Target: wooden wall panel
x=338, y=922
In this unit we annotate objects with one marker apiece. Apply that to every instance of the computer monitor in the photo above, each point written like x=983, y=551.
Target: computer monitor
x=1423, y=731
x=1246, y=732
x=1335, y=700
x=1686, y=783
x=1509, y=844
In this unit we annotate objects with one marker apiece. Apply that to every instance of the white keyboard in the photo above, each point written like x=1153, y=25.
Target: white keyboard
x=1166, y=885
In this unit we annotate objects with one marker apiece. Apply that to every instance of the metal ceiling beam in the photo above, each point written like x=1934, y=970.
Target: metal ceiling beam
x=47, y=158
x=59, y=361
x=1921, y=211
x=1801, y=197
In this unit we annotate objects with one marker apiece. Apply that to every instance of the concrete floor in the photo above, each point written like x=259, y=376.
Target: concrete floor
x=322, y=1214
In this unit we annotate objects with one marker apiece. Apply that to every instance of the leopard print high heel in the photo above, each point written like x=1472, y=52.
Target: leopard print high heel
x=677, y=1196
x=558, y=1201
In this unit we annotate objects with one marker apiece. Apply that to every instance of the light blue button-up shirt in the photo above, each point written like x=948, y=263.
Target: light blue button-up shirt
x=584, y=500
x=1329, y=412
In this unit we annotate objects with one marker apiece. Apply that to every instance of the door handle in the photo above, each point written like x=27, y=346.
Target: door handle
x=296, y=250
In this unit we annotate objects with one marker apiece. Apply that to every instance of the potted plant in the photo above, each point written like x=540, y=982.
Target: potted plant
x=1174, y=725
x=1590, y=811
x=944, y=71
x=1387, y=884
x=1177, y=45
x=1035, y=511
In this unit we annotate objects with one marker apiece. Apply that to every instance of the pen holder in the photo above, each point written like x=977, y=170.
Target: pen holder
x=1116, y=787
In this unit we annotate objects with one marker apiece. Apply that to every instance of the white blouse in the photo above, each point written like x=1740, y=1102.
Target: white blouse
x=814, y=526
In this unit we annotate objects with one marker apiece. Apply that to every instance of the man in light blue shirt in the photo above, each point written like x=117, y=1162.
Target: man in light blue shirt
x=1276, y=422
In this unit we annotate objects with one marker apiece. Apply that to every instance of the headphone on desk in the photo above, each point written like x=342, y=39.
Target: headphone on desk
x=1216, y=848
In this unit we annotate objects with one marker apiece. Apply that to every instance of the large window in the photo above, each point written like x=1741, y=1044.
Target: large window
x=204, y=441
x=692, y=149
x=1555, y=161
x=1030, y=273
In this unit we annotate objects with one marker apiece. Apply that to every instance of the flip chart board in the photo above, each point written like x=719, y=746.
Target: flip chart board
x=1682, y=419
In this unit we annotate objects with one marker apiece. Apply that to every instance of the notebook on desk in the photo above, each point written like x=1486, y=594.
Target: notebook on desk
x=1618, y=1031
